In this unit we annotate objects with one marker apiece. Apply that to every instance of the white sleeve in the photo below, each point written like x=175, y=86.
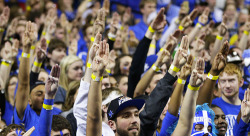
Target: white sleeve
x=173, y=26
x=80, y=108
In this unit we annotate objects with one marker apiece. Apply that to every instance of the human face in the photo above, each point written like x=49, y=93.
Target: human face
x=43, y=76
x=118, y=40
x=125, y=63
x=89, y=32
x=37, y=97
x=75, y=71
x=13, y=133
x=113, y=82
x=12, y=87
x=229, y=85
x=57, y=55
x=154, y=82
x=105, y=83
x=220, y=121
x=65, y=132
x=59, y=33
x=123, y=85
x=128, y=122
x=148, y=8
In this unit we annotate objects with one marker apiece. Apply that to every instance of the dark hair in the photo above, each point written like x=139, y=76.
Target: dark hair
x=117, y=70
x=59, y=123
x=119, y=77
x=69, y=101
x=10, y=128
x=56, y=43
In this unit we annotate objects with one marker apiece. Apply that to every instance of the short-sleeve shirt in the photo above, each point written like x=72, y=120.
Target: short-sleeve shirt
x=231, y=111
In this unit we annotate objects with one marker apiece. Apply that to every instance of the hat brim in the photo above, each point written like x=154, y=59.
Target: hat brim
x=138, y=103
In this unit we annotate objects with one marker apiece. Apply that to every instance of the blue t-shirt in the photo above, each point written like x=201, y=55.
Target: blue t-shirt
x=139, y=29
x=30, y=118
x=167, y=122
x=8, y=113
x=231, y=111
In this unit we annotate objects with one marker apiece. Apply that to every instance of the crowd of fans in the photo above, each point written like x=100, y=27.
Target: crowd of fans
x=124, y=67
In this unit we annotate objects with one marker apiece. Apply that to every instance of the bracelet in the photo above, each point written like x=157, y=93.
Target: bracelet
x=121, y=27
x=181, y=27
x=177, y=21
x=43, y=33
x=92, y=39
x=180, y=81
x=32, y=47
x=151, y=29
x=212, y=77
x=47, y=41
x=95, y=78
x=25, y=55
x=155, y=68
x=48, y=104
x=174, y=68
x=37, y=64
x=1, y=30
x=199, y=25
x=161, y=49
x=48, y=107
x=246, y=32
x=5, y=63
x=89, y=65
x=111, y=36
x=108, y=71
x=28, y=8
x=193, y=88
x=152, y=46
x=219, y=37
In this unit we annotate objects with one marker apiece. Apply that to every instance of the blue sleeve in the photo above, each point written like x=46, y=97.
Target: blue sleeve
x=240, y=129
x=45, y=120
x=17, y=120
x=167, y=122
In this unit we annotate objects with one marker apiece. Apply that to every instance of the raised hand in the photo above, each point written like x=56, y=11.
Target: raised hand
x=114, y=26
x=196, y=78
x=29, y=132
x=199, y=43
x=41, y=51
x=172, y=39
x=112, y=57
x=101, y=59
x=209, y=28
x=99, y=23
x=106, y=5
x=4, y=17
x=30, y=34
x=163, y=56
x=126, y=16
x=181, y=55
x=94, y=47
x=184, y=10
x=187, y=68
x=12, y=27
x=219, y=61
x=10, y=51
x=245, y=106
x=247, y=25
x=73, y=47
x=159, y=22
x=52, y=82
x=203, y=18
x=223, y=28
x=188, y=20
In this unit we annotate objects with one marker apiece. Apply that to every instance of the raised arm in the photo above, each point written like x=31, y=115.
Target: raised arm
x=94, y=116
x=244, y=37
x=185, y=123
x=23, y=89
x=188, y=20
x=140, y=55
x=45, y=120
x=206, y=91
x=4, y=18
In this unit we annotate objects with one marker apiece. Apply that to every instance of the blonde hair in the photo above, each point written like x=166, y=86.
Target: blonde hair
x=231, y=69
x=64, y=65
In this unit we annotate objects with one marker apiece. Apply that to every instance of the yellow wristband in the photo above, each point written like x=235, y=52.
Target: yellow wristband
x=48, y=107
x=152, y=46
x=151, y=29
x=180, y=81
x=47, y=41
x=161, y=49
x=89, y=65
x=121, y=27
x=212, y=77
x=181, y=27
x=32, y=47
x=174, y=68
x=1, y=30
x=43, y=33
x=37, y=64
x=199, y=25
x=108, y=71
x=25, y=55
x=246, y=32
x=111, y=38
x=92, y=39
x=95, y=78
x=155, y=68
x=219, y=37
x=5, y=63
x=193, y=88
x=28, y=8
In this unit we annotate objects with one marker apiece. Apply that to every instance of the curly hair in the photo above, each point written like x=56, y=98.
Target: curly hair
x=59, y=123
x=10, y=128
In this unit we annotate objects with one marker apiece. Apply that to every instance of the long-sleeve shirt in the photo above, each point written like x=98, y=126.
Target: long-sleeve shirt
x=240, y=129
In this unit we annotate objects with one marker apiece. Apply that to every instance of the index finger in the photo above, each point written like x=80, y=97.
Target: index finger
x=169, y=47
x=29, y=132
x=225, y=48
x=206, y=11
x=193, y=14
x=160, y=13
x=190, y=60
x=177, y=33
x=211, y=24
x=106, y=4
x=184, y=42
x=224, y=19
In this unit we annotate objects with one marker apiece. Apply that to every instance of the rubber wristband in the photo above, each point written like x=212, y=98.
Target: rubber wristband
x=212, y=77
x=193, y=88
x=92, y=39
x=37, y=64
x=5, y=63
x=89, y=65
x=32, y=47
x=180, y=81
x=246, y=32
x=28, y=8
x=108, y=71
x=1, y=30
x=48, y=104
x=161, y=49
x=199, y=25
x=48, y=107
x=121, y=27
x=219, y=37
x=95, y=78
x=25, y=55
x=155, y=68
x=43, y=33
x=181, y=27
x=111, y=38
x=152, y=46
x=151, y=29
x=47, y=41
x=174, y=68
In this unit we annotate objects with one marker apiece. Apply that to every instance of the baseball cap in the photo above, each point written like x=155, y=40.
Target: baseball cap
x=121, y=103
x=37, y=83
x=201, y=2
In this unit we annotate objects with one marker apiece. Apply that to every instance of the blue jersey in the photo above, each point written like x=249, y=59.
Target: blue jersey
x=8, y=113
x=231, y=111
